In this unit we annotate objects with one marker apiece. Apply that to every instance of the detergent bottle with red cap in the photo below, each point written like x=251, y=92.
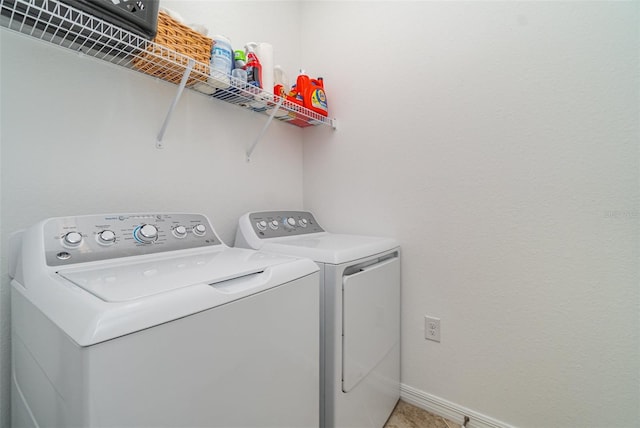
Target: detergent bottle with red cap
x=296, y=94
x=314, y=96
x=317, y=97
x=310, y=93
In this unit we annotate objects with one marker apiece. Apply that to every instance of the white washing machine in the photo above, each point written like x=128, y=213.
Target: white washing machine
x=360, y=312
x=151, y=321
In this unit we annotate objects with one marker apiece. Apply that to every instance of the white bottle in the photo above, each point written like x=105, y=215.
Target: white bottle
x=221, y=62
x=280, y=78
x=264, y=51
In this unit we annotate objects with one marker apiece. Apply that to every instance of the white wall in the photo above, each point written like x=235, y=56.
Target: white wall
x=498, y=141
x=78, y=137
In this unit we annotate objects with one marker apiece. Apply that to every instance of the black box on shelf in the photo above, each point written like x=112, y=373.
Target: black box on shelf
x=137, y=16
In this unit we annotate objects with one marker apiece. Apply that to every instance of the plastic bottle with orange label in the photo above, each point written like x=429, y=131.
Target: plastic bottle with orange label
x=309, y=93
x=315, y=98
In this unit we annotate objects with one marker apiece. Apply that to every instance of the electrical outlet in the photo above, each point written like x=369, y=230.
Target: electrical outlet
x=432, y=328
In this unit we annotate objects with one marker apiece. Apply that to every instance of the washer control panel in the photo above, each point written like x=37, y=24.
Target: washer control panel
x=90, y=238
x=275, y=224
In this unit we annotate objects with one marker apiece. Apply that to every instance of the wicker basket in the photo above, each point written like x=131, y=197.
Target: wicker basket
x=180, y=39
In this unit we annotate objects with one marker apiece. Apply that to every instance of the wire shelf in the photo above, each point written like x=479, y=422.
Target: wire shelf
x=60, y=24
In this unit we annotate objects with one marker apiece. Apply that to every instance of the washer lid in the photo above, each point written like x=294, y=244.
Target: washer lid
x=92, y=305
x=124, y=282
x=330, y=248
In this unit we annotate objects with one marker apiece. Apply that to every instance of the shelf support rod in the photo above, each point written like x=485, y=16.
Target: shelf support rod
x=183, y=83
x=264, y=128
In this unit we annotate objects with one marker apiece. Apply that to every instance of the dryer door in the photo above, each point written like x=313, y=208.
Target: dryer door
x=371, y=318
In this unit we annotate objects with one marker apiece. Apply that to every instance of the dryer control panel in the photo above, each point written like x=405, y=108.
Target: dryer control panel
x=275, y=224
x=69, y=240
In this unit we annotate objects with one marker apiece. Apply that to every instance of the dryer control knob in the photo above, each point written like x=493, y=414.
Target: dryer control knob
x=72, y=239
x=291, y=221
x=147, y=233
x=106, y=237
x=199, y=229
x=179, y=231
x=274, y=224
x=261, y=225
x=303, y=222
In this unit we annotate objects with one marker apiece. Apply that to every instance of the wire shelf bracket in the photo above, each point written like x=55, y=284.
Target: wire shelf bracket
x=183, y=83
x=264, y=129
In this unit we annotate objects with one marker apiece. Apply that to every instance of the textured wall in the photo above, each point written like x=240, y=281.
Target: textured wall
x=499, y=142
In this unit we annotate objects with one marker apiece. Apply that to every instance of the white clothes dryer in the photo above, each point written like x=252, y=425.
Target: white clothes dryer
x=360, y=312
x=150, y=320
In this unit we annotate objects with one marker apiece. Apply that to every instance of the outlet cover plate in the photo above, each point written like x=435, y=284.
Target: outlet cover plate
x=432, y=328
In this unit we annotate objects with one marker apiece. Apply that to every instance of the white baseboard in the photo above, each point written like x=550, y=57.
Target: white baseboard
x=447, y=409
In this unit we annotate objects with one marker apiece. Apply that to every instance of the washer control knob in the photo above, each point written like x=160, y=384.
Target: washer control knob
x=261, y=225
x=291, y=221
x=199, y=229
x=179, y=231
x=274, y=224
x=303, y=222
x=72, y=239
x=147, y=233
x=106, y=237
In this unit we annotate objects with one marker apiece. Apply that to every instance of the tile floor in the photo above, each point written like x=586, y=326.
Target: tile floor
x=406, y=415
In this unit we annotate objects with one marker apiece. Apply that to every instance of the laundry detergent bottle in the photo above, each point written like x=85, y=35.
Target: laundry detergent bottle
x=313, y=95
x=296, y=94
